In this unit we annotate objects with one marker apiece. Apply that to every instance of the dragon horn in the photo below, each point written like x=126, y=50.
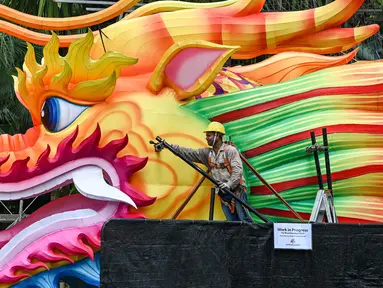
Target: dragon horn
x=262, y=33
x=68, y=23
x=35, y=37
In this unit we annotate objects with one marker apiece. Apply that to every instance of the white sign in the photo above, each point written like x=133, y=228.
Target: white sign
x=292, y=236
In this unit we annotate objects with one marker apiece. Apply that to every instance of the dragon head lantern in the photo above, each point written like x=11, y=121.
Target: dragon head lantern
x=96, y=109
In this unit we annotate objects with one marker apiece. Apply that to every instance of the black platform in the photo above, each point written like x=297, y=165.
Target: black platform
x=196, y=254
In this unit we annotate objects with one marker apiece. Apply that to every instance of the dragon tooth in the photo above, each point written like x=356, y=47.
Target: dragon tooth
x=90, y=182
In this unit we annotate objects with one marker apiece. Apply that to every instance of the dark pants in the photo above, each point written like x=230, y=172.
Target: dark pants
x=240, y=213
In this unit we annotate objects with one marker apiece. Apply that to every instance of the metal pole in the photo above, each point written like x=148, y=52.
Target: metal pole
x=183, y=205
x=21, y=210
x=317, y=164
x=212, y=198
x=256, y=173
x=207, y=176
x=327, y=160
x=328, y=171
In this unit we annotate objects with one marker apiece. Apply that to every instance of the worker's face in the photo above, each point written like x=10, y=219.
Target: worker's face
x=210, y=138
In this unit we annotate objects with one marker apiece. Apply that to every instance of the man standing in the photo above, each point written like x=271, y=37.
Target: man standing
x=225, y=164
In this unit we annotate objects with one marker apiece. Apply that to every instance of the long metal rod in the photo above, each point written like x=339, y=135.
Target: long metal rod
x=327, y=160
x=328, y=172
x=207, y=176
x=25, y=210
x=6, y=207
x=183, y=205
x=317, y=164
x=256, y=173
x=21, y=205
x=212, y=199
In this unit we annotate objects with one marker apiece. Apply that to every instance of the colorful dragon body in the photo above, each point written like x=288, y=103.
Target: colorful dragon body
x=95, y=111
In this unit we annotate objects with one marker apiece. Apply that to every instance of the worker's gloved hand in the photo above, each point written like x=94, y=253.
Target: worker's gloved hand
x=222, y=186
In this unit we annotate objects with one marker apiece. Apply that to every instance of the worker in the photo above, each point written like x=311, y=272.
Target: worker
x=225, y=164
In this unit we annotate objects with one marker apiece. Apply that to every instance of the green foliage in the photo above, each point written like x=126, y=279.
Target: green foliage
x=14, y=118
x=45, y=8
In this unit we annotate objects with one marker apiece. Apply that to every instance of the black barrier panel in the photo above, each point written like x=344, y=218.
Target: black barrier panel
x=196, y=254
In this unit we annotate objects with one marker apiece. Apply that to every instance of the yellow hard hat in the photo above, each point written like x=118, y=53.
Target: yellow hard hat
x=215, y=127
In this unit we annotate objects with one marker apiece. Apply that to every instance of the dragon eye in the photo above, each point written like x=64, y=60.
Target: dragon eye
x=57, y=114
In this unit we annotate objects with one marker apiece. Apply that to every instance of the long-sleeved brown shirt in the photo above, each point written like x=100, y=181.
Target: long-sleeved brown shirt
x=221, y=174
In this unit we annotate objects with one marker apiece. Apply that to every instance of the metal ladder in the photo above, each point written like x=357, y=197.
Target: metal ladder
x=323, y=207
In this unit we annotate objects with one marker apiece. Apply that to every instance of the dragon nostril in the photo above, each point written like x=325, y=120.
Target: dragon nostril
x=6, y=142
x=12, y=143
x=19, y=142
